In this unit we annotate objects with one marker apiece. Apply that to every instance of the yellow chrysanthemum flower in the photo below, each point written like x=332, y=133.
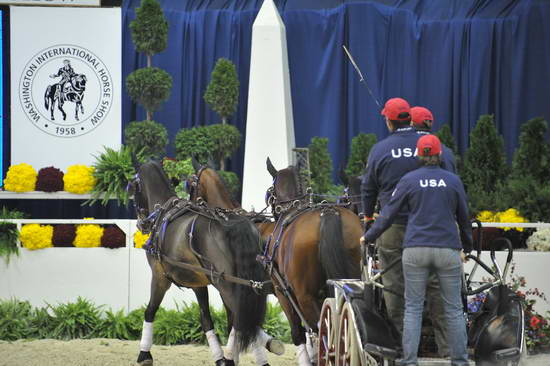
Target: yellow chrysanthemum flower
x=20, y=178
x=140, y=239
x=35, y=236
x=88, y=236
x=486, y=216
x=510, y=215
x=79, y=179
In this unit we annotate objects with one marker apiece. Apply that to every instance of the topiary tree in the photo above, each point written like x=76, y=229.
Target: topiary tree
x=149, y=86
x=528, y=189
x=222, y=93
x=532, y=156
x=226, y=140
x=320, y=165
x=194, y=141
x=485, y=166
x=148, y=137
x=149, y=29
x=360, y=149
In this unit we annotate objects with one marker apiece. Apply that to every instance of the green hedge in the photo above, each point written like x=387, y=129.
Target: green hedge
x=83, y=319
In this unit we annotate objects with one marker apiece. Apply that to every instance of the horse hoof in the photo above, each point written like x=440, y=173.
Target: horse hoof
x=145, y=359
x=228, y=362
x=275, y=346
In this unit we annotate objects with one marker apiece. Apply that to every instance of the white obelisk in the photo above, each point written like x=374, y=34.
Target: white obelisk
x=269, y=125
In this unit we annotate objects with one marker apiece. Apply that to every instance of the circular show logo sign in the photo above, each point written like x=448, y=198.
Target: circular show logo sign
x=66, y=90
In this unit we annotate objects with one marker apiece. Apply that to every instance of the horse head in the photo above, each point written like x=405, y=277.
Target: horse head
x=78, y=82
x=206, y=184
x=149, y=188
x=287, y=186
x=352, y=190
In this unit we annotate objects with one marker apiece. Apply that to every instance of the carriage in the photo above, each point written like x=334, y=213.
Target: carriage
x=354, y=329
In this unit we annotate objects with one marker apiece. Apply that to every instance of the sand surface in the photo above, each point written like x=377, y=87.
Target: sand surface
x=113, y=352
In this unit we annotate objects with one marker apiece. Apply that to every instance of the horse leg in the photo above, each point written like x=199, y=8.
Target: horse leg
x=159, y=285
x=76, y=111
x=208, y=326
x=263, y=341
x=297, y=331
x=60, y=107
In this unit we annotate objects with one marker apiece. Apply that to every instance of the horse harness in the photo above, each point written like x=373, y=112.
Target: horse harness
x=288, y=212
x=156, y=224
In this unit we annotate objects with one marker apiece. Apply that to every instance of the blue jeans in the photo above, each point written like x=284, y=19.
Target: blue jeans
x=418, y=262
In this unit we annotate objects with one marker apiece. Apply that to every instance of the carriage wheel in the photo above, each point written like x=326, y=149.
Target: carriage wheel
x=327, y=330
x=348, y=351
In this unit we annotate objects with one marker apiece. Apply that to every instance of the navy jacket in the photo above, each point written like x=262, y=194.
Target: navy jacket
x=448, y=161
x=389, y=160
x=436, y=202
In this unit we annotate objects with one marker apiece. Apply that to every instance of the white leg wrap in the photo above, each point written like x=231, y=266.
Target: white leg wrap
x=311, y=349
x=260, y=353
x=302, y=356
x=262, y=338
x=214, y=344
x=146, y=337
x=231, y=348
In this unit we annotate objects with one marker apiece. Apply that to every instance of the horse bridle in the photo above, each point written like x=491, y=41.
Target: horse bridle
x=278, y=206
x=145, y=220
x=192, y=185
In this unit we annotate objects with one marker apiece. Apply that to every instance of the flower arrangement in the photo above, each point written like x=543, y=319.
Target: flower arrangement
x=35, y=236
x=50, y=179
x=113, y=237
x=510, y=215
x=20, y=178
x=79, y=179
x=540, y=240
x=140, y=239
x=88, y=236
x=537, y=326
x=64, y=235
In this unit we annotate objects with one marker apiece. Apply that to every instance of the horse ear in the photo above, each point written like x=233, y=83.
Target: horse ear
x=343, y=176
x=270, y=168
x=195, y=163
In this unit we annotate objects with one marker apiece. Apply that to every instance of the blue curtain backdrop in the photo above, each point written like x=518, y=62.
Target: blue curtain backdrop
x=460, y=58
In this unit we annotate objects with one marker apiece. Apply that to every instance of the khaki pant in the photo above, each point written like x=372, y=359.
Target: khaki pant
x=389, y=248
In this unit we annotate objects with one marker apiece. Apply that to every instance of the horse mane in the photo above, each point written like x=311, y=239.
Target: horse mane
x=228, y=190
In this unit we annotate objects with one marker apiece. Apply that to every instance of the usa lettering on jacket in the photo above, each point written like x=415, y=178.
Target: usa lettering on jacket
x=432, y=183
x=406, y=152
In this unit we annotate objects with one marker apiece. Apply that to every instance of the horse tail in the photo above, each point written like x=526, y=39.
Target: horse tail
x=334, y=258
x=244, y=243
x=47, y=97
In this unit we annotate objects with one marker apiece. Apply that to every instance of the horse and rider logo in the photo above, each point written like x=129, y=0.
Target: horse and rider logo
x=83, y=82
x=70, y=88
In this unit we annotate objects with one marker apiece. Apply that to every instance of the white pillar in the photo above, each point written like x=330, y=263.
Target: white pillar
x=269, y=126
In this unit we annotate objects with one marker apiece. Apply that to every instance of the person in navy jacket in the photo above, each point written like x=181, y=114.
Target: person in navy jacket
x=438, y=230
x=389, y=160
x=422, y=120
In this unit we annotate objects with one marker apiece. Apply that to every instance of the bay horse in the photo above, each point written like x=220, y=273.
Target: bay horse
x=197, y=247
x=71, y=91
x=310, y=244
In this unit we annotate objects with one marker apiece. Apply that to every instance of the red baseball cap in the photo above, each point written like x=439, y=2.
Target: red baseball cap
x=395, y=107
x=421, y=114
x=428, y=142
